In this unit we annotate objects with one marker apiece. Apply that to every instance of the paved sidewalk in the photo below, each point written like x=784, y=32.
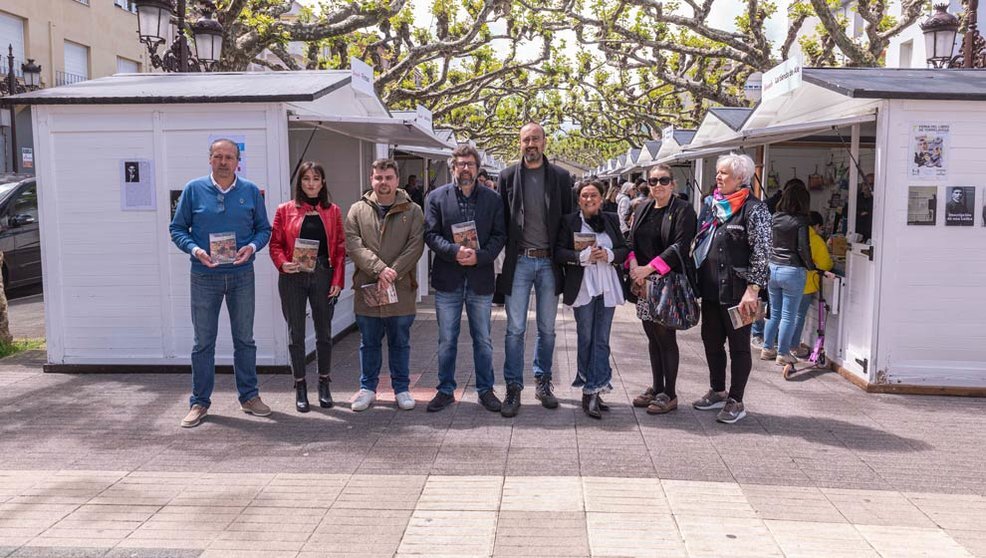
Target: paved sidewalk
x=96, y=465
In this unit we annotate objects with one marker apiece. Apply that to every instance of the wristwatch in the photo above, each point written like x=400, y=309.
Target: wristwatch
x=755, y=287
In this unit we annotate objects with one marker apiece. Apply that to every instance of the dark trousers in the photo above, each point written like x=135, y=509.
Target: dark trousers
x=717, y=329
x=662, y=344
x=297, y=291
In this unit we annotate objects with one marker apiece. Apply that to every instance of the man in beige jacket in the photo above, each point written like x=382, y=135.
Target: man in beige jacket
x=385, y=239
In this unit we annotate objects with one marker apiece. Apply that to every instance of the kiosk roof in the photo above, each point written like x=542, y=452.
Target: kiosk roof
x=233, y=87
x=901, y=83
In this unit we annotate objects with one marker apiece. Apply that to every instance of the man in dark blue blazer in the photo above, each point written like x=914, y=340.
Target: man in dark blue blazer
x=464, y=227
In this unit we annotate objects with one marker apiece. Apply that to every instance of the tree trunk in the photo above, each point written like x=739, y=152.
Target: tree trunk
x=5, y=336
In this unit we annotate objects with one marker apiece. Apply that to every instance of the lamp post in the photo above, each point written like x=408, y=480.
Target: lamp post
x=153, y=27
x=939, y=32
x=32, y=81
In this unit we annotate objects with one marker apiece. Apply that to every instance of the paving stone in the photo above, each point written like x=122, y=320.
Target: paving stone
x=912, y=541
x=724, y=536
x=542, y=494
x=640, y=533
x=811, y=539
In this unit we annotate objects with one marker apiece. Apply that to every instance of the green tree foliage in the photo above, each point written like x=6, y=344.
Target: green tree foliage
x=604, y=74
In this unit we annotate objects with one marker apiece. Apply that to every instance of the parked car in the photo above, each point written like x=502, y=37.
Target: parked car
x=20, y=235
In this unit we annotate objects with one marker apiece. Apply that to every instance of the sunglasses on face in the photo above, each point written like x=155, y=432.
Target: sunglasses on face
x=663, y=181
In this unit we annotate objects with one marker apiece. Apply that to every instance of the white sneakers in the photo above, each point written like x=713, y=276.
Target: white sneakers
x=405, y=401
x=363, y=400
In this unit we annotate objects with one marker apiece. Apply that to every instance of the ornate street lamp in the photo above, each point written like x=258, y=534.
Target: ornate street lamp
x=32, y=74
x=153, y=27
x=10, y=86
x=940, y=30
x=939, y=36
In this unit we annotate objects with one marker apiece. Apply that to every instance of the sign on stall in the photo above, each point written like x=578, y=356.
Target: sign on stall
x=667, y=133
x=782, y=78
x=137, y=185
x=424, y=117
x=362, y=76
x=27, y=157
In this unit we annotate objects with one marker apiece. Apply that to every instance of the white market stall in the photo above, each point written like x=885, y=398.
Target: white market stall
x=909, y=304
x=116, y=289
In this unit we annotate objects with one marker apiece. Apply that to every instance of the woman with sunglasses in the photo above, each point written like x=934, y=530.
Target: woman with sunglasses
x=663, y=228
x=309, y=216
x=592, y=288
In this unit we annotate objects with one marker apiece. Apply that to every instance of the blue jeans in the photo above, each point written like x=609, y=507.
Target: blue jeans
x=207, y=292
x=448, y=308
x=799, y=320
x=786, y=288
x=756, y=330
x=371, y=331
x=593, y=322
x=536, y=272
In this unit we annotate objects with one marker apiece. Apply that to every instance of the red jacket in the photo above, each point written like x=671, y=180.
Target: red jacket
x=287, y=227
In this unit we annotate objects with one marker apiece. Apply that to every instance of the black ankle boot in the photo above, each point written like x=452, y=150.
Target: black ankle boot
x=602, y=404
x=324, y=395
x=590, y=404
x=301, y=396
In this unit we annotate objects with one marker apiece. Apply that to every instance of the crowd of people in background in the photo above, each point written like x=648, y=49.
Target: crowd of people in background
x=529, y=231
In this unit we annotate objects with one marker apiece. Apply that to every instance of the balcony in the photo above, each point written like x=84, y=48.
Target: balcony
x=18, y=71
x=65, y=78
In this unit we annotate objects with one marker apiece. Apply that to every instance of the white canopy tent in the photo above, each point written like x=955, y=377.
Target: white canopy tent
x=133, y=312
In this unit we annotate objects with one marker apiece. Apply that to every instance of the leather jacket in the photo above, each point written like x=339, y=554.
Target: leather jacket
x=790, y=245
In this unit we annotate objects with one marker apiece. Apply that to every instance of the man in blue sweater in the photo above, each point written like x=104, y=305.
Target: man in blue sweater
x=222, y=205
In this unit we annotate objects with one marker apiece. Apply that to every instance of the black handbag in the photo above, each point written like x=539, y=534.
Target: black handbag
x=671, y=299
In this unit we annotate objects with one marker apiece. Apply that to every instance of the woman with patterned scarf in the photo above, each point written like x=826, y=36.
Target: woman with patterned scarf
x=730, y=251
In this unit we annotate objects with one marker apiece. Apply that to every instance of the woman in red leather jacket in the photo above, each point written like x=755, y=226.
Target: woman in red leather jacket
x=313, y=274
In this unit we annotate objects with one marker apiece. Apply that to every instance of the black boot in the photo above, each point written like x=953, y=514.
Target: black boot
x=544, y=394
x=324, y=395
x=301, y=396
x=602, y=405
x=590, y=404
x=511, y=403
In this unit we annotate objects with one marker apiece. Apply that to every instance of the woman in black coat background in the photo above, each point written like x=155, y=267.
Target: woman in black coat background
x=593, y=288
x=662, y=232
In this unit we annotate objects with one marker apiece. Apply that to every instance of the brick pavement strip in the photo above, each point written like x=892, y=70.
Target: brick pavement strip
x=95, y=465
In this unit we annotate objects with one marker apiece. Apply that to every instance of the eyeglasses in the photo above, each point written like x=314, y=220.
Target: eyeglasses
x=663, y=181
x=464, y=164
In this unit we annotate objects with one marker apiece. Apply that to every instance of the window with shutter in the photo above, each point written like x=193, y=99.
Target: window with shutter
x=12, y=33
x=124, y=66
x=76, y=64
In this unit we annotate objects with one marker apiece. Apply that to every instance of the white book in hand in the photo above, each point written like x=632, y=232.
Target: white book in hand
x=222, y=247
x=465, y=235
x=305, y=254
x=373, y=296
x=584, y=240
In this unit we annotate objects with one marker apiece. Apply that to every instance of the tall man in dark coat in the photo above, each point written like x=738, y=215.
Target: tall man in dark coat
x=465, y=229
x=535, y=194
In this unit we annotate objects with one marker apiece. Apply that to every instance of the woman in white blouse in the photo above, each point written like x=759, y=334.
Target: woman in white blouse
x=592, y=288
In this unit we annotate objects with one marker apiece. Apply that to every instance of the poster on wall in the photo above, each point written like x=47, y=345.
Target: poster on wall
x=929, y=152
x=240, y=141
x=137, y=185
x=922, y=205
x=960, y=206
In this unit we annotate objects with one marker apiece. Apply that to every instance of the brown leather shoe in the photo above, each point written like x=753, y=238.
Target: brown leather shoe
x=662, y=404
x=645, y=398
x=255, y=407
x=194, y=416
